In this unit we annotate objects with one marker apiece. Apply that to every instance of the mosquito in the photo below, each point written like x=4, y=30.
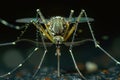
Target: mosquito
x=57, y=30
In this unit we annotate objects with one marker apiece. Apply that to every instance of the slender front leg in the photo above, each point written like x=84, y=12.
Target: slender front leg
x=41, y=29
x=44, y=22
x=68, y=25
x=41, y=16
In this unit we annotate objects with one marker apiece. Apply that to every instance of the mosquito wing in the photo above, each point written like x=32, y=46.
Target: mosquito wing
x=73, y=20
x=28, y=20
x=82, y=20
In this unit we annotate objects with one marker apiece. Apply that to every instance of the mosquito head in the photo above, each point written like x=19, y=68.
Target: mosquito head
x=57, y=25
x=58, y=39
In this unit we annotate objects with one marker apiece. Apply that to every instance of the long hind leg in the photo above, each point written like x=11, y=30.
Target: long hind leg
x=19, y=65
x=13, y=43
x=95, y=42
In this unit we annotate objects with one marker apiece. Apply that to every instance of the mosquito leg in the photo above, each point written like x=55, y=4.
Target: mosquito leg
x=41, y=61
x=22, y=32
x=10, y=25
x=96, y=44
x=6, y=44
x=76, y=65
x=58, y=54
x=46, y=24
x=77, y=43
x=70, y=49
x=39, y=66
x=70, y=16
x=76, y=25
x=41, y=16
x=68, y=24
x=18, y=38
x=13, y=43
x=20, y=65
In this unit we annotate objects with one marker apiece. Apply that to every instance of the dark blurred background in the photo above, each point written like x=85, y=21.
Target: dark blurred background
x=105, y=27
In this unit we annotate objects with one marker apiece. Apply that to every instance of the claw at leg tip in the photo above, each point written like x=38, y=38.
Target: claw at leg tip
x=118, y=62
x=13, y=43
x=36, y=48
x=72, y=11
x=37, y=10
x=83, y=10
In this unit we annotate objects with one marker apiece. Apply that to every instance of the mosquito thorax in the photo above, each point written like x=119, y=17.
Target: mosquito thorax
x=57, y=25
